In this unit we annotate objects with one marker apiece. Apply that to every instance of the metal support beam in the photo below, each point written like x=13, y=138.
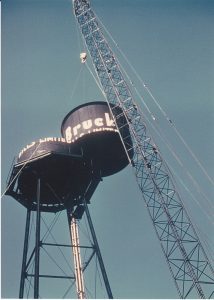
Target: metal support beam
x=37, y=248
x=52, y=276
x=97, y=249
x=76, y=255
x=67, y=246
x=24, y=259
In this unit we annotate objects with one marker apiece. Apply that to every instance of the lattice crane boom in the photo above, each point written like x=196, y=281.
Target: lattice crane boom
x=184, y=253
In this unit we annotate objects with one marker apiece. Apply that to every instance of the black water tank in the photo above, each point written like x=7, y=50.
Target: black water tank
x=91, y=126
x=63, y=172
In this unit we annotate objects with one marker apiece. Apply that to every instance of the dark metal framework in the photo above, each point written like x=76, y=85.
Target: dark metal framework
x=188, y=263
x=35, y=254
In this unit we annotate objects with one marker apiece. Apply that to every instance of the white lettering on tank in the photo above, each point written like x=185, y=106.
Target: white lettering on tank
x=68, y=134
x=50, y=139
x=98, y=122
x=109, y=122
x=42, y=140
x=87, y=124
x=103, y=124
x=26, y=148
x=75, y=129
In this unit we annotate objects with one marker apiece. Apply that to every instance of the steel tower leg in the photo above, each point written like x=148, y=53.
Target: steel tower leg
x=97, y=249
x=76, y=254
x=37, y=247
x=24, y=259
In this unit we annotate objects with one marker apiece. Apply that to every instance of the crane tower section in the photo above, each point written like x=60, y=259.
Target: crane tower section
x=188, y=263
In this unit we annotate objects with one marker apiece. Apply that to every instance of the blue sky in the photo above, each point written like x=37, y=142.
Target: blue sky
x=170, y=44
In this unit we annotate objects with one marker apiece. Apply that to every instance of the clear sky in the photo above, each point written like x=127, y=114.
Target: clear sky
x=170, y=44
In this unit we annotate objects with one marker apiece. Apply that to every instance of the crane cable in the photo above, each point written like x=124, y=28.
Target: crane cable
x=206, y=211
x=150, y=113
x=165, y=140
x=173, y=152
x=203, y=236
x=153, y=126
x=159, y=134
x=170, y=147
x=163, y=112
x=95, y=79
x=210, y=217
x=159, y=106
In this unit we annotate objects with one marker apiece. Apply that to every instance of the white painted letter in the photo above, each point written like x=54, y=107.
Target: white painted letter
x=75, y=129
x=109, y=122
x=68, y=134
x=87, y=124
x=98, y=122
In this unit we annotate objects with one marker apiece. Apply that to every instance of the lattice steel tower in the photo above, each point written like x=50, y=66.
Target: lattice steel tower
x=56, y=174
x=184, y=253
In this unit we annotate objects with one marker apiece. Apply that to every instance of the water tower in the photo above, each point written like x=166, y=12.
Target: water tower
x=55, y=174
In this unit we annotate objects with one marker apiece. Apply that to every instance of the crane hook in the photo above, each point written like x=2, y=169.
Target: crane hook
x=83, y=57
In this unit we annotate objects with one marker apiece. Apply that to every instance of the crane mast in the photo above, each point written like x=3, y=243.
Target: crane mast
x=184, y=253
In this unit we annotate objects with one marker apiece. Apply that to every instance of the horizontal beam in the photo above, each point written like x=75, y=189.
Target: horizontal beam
x=51, y=276
x=63, y=245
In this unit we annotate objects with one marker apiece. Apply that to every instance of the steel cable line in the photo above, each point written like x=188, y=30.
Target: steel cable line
x=56, y=217
x=98, y=84
x=171, y=150
x=75, y=83
x=95, y=79
x=29, y=286
x=207, y=211
x=60, y=250
x=176, y=156
x=68, y=289
x=169, y=146
x=207, y=243
x=194, y=198
x=159, y=106
x=182, y=165
x=54, y=261
x=89, y=293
